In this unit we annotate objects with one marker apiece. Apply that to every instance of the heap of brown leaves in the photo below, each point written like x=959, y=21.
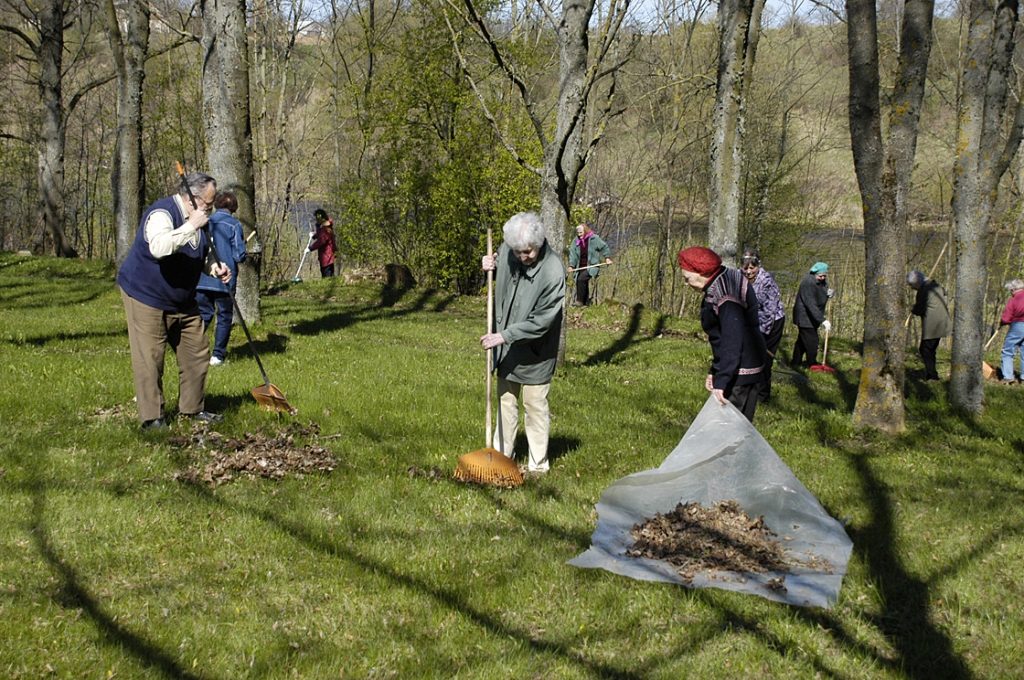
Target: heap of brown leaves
x=696, y=539
x=216, y=458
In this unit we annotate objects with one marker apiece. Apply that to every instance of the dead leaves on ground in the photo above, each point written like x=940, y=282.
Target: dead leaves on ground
x=216, y=459
x=695, y=539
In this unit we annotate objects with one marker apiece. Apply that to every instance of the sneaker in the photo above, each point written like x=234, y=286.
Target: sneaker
x=214, y=361
x=204, y=417
x=155, y=424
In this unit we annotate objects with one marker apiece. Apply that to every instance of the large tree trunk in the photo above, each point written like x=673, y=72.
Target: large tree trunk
x=983, y=156
x=228, y=132
x=739, y=25
x=128, y=172
x=884, y=173
x=51, y=154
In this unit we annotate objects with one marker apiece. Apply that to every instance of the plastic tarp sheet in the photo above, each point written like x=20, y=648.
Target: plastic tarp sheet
x=723, y=457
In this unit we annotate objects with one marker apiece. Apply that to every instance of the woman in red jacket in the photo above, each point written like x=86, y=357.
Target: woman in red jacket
x=323, y=242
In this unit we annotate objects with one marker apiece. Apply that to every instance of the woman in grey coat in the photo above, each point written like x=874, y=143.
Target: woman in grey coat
x=930, y=305
x=528, y=308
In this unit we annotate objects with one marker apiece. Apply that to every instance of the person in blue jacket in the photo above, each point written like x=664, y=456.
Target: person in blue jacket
x=212, y=294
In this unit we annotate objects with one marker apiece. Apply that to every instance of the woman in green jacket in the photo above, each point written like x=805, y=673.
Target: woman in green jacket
x=528, y=307
x=586, y=248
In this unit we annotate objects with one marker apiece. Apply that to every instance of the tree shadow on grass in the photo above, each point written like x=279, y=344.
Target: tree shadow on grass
x=74, y=595
x=627, y=339
x=454, y=599
x=384, y=309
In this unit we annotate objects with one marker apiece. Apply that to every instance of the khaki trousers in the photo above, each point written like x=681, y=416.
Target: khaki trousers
x=537, y=421
x=150, y=330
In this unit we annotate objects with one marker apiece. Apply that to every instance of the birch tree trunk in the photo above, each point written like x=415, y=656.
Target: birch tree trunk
x=884, y=172
x=739, y=26
x=228, y=132
x=128, y=171
x=983, y=155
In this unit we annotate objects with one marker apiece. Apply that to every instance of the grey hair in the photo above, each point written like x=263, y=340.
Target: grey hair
x=1014, y=286
x=915, y=278
x=750, y=256
x=523, y=231
x=197, y=183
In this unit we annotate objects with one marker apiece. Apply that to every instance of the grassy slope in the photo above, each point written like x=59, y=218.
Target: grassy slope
x=110, y=568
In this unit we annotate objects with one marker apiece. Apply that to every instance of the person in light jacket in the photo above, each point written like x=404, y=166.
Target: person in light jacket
x=587, y=248
x=528, y=308
x=214, y=296
x=930, y=305
x=809, y=313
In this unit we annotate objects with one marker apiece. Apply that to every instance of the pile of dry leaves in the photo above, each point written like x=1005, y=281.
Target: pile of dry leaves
x=696, y=539
x=216, y=459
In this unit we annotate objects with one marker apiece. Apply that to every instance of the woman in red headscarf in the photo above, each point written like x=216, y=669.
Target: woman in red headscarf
x=729, y=315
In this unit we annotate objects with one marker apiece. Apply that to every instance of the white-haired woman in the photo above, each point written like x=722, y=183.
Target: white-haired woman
x=528, y=307
x=1013, y=316
x=930, y=305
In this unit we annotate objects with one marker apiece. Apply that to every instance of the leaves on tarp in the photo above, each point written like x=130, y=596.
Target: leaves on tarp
x=695, y=539
x=216, y=459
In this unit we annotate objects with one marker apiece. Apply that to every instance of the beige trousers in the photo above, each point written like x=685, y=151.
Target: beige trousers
x=150, y=330
x=537, y=421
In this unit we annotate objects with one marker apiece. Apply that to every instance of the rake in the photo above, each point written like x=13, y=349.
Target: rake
x=488, y=465
x=266, y=395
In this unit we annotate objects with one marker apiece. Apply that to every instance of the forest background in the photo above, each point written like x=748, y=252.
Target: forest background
x=363, y=107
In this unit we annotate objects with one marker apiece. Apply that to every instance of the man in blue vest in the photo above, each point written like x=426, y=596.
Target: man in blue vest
x=158, y=282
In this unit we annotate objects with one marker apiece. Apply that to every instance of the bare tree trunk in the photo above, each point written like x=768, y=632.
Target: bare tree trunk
x=983, y=156
x=228, y=132
x=128, y=171
x=51, y=154
x=739, y=25
x=884, y=172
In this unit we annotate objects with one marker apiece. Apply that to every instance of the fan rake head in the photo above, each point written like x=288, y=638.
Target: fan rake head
x=488, y=466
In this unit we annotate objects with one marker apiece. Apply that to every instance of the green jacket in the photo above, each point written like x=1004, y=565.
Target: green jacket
x=528, y=306
x=597, y=251
x=930, y=305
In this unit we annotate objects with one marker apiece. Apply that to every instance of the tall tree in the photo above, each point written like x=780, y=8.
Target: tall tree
x=565, y=151
x=883, y=172
x=228, y=129
x=739, y=26
x=988, y=110
x=128, y=171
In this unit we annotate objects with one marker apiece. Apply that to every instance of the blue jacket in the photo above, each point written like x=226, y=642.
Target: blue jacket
x=230, y=243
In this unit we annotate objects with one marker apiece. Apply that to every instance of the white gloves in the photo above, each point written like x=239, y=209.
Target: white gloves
x=831, y=292
x=827, y=325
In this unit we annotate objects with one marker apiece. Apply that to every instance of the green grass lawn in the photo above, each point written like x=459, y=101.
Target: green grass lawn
x=112, y=567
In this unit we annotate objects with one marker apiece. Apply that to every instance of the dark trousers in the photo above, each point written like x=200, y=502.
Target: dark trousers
x=806, y=344
x=327, y=272
x=772, y=340
x=744, y=397
x=583, y=287
x=211, y=303
x=928, y=349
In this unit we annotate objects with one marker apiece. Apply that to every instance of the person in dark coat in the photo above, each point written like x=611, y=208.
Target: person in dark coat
x=809, y=314
x=214, y=296
x=158, y=282
x=930, y=305
x=729, y=316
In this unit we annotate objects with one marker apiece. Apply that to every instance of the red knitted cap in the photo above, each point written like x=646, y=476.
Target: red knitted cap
x=699, y=260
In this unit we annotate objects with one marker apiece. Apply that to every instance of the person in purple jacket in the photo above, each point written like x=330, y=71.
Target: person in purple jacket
x=158, y=280
x=729, y=316
x=771, y=316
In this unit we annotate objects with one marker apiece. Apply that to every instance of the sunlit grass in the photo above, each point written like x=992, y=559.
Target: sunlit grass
x=111, y=568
